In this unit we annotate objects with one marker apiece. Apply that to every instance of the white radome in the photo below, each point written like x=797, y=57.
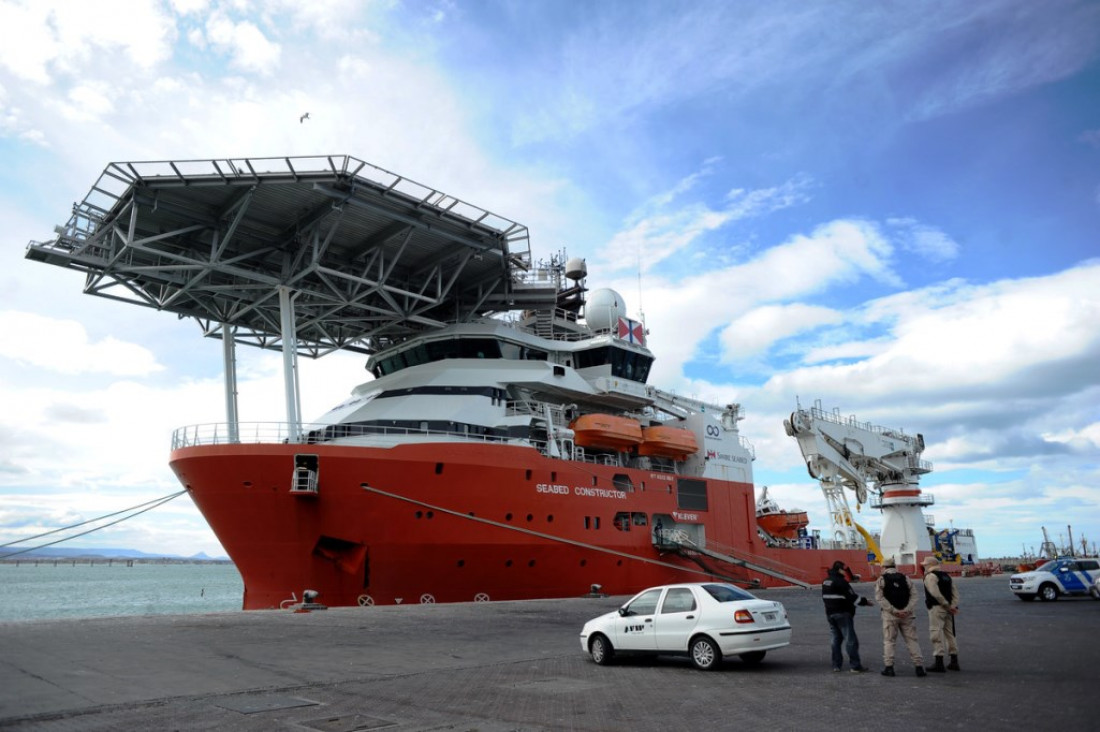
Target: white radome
x=603, y=309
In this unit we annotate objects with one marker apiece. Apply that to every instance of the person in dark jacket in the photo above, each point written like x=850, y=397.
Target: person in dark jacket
x=840, y=608
x=941, y=597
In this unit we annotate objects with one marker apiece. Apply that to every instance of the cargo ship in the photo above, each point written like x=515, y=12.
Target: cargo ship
x=506, y=443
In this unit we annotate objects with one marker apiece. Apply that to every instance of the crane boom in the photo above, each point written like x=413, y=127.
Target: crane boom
x=843, y=453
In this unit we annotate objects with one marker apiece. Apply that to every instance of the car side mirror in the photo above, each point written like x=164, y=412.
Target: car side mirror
x=623, y=611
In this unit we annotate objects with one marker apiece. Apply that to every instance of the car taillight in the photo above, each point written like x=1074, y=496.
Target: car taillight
x=742, y=616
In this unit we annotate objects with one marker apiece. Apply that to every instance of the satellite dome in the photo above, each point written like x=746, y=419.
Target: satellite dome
x=576, y=269
x=603, y=308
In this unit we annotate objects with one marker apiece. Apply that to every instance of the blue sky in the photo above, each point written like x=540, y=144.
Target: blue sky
x=892, y=207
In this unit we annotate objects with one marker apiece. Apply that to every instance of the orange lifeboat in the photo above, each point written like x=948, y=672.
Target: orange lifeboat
x=666, y=441
x=783, y=524
x=778, y=522
x=606, y=432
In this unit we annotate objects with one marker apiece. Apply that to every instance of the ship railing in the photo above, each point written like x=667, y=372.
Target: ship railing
x=308, y=434
x=766, y=562
x=924, y=499
x=818, y=412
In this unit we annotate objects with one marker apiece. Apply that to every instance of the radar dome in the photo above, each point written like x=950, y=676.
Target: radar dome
x=603, y=308
x=576, y=269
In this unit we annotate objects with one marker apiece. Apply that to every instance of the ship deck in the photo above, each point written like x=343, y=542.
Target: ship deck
x=518, y=666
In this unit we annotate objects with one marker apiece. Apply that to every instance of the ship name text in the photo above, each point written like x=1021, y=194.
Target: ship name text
x=579, y=490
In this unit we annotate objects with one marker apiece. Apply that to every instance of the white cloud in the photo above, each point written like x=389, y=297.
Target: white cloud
x=63, y=346
x=89, y=101
x=44, y=38
x=691, y=309
x=246, y=45
x=755, y=331
x=663, y=226
x=926, y=241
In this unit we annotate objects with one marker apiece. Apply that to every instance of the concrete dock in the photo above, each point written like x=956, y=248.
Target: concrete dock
x=519, y=666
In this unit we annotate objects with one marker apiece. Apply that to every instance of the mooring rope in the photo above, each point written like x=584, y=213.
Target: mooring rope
x=147, y=506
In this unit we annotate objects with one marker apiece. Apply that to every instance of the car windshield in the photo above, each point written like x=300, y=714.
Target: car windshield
x=727, y=593
x=1047, y=566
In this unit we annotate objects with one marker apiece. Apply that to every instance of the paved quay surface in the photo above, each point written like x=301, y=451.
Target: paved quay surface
x=519, y=666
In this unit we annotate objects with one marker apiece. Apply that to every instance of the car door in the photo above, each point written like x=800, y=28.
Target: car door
x=634, y=630
x=676, y=619
x=1069, y=574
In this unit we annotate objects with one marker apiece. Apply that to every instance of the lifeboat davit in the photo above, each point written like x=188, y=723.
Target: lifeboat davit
x=665, y=441
x=606, y=432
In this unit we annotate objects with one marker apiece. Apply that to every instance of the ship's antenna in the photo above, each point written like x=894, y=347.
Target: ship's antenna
x=641, y=312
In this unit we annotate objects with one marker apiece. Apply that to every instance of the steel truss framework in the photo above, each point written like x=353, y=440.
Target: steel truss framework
x=365, y=256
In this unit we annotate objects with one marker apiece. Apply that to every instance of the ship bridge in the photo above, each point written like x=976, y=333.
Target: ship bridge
x=301, y=254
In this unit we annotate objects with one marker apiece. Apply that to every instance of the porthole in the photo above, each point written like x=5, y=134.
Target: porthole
x=420, y=514
x=530, y=517
x=550, y=519
x=619, y=563
x=429, y=514
x=507, y=517
x=531, y=563
x=439, y=468
x=508, y=563
x=584, y=562
x=528, y=475
x=462, y=562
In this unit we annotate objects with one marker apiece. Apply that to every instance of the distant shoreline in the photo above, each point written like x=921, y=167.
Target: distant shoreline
x=33, y=559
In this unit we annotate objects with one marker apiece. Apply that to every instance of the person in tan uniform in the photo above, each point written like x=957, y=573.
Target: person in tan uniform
x=897, y=600
x=942, y=600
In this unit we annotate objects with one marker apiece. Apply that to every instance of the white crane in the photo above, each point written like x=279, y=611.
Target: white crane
x=844, y=453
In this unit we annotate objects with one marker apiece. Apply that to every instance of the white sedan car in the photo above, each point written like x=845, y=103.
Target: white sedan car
x=705, y=621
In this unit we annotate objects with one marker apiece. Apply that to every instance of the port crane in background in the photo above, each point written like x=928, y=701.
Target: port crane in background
x=876, y=463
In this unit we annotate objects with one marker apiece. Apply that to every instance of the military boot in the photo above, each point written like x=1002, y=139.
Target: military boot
x=954, y=665
x=937, y=667
x=888, y=671
x=920, y=671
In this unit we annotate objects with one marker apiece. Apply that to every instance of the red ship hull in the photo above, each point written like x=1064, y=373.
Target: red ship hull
x=463, y=521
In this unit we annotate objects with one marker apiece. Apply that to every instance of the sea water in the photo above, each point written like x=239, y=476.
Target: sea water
x=44, y=590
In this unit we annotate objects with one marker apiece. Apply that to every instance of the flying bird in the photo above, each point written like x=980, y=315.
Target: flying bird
x=303, y=118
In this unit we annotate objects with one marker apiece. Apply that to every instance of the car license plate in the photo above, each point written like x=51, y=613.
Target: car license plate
x=769, y=616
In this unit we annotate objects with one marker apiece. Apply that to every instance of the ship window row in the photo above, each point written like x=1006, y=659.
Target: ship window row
x=624, y=364
x=456, y=348
x=496, y=394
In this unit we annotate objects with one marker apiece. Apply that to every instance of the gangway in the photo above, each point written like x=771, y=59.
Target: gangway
x=679, y=541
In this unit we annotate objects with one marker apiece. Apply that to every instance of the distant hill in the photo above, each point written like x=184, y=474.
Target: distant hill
x=53, y=552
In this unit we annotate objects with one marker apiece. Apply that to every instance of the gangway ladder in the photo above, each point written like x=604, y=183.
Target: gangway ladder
x=304, y=481
x=679, y=540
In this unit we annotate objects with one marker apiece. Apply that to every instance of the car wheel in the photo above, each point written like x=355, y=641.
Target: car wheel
x=1026, y=597
x=753, y=657
x=1095, y=592
x=705, y=654
x=1048, y=593
x=601, y=649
